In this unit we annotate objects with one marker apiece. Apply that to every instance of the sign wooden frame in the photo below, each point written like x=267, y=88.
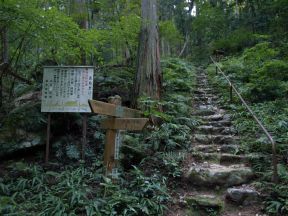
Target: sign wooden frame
x=84, y=118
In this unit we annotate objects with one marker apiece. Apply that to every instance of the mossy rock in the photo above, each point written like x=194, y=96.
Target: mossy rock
x=219, y=175
x=206, y=203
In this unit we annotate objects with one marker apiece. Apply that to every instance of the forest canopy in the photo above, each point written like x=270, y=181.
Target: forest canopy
x=155, y=56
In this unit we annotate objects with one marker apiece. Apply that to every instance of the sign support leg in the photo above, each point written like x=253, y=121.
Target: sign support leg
x=84, y=136
x=109, y=152
x=48, y=138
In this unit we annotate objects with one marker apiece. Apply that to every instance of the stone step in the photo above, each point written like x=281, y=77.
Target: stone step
x=203, y=101
x=205, y=107
x=217, y=117
x=214, y=139
x=213, y=175
x=217, y=148
x=209, y=129
x=203, y=91
x=243, y=195
x=202, y=85
x=198, y=204
x=223, y=158
x=204, y=112
x=222, y=123
x=204, y=98
x=203, y=94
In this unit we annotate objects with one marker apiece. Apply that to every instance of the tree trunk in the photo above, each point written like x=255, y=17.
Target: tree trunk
x=184, y=46
x=162, y=46
x=79, y=7
x=148, y=80
x=5, y=59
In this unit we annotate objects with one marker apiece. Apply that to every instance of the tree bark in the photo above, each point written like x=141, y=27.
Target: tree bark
x=148, y=80
x=184, y=46
x=5, y=59
x=79, y=8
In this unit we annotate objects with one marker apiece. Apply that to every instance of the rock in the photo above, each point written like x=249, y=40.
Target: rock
x=223, y=158
x=209, y=129
x=217, y=148
x=32, y=140
x=204, y=112
x=31, y=96
x=205, y=107
x=214, y=139
x=227, y=117
x=205, y=202
x=215, y=117
x=204, y=139
x=36, y=141
x=243, y=195
x=219, y=175
x=221, y=123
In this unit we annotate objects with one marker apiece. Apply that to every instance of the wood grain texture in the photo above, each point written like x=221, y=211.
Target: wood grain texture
x=133, y=124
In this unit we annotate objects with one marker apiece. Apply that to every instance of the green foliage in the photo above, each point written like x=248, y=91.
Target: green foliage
x=277, y=203
x=260, y=75
x=26, y=117
x=235, y=41
x=258, y=54
x=259, y=72
x=170, y=136
x=178, y=76
x=124, y=33
x=175, y=132
x=81, y=190
x=172, y=163
x=169, y=31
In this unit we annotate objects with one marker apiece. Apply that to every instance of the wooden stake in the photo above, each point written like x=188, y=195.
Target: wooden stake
x=231, y=95
x=109, y=152
x=84, y=136
x=48, y=138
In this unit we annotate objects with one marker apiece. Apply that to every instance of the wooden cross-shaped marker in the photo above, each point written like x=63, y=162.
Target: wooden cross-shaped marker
x=121, y=118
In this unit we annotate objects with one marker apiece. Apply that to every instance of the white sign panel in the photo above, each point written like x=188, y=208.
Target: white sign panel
x=67, y=89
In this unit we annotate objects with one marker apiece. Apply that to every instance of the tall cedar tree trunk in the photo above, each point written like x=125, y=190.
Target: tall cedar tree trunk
x=148, y=80
x=4, y=59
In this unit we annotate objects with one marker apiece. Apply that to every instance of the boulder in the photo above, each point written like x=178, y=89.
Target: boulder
x=205, y=202
x=243, y=195
x=219, y=175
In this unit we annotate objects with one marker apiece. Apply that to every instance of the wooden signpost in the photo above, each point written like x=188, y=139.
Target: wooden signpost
x=121, y=118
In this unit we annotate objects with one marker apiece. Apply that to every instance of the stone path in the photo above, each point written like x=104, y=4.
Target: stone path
x=217, y=175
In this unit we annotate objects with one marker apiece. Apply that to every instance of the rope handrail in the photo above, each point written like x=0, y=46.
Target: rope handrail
x=270, y=138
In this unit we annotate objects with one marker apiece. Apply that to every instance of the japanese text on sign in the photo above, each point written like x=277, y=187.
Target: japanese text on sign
x=67, y=89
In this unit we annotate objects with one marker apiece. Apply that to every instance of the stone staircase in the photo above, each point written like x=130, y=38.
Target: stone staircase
x=218, y=171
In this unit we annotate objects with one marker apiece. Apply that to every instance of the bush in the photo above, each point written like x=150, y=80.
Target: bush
x=236, y=41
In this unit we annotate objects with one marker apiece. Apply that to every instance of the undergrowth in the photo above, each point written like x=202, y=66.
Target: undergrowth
x=149, y=160
x=260, y=74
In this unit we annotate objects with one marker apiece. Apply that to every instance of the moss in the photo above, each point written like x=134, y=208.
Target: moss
x=205, y=202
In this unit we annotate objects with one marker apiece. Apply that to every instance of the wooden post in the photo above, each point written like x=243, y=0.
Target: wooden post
x=109, y=152
x=84, y=136
x=112, y=142
x=122, y=118
x=48, y=138
x=231, y=95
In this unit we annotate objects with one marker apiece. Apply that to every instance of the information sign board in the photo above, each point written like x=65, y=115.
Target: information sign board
x=67, y=89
